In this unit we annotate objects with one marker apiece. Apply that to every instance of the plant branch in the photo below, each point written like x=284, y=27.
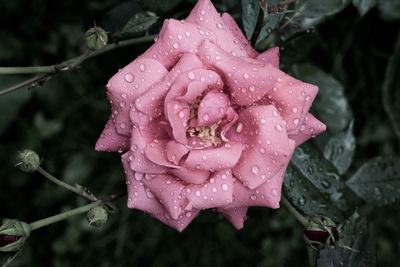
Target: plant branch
x=80, y=190
x=71, y=64
x=277, y=7
x=294, y=212
x=59, y=217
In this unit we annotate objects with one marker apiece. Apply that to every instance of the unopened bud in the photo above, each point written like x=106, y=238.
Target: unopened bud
x=27, y=161
x=97, y=216
x=13, y=234
x=96, y=38
x=321, y=232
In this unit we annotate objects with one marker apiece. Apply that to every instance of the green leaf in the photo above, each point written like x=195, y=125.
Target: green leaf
x=139, y=22
x=377, y=181
x=391, y=89
x=363, y=6
x=330, y=104
x=311, y=12
x=11, y=103
x=389, y=9
x=356, y=246
x=340, y=149
x=250, y=12
x=314, y=185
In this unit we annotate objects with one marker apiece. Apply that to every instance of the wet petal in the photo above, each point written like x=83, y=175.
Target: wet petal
x=217, y=192
x=235, y=215
x=111, y=141
x=191, y=176
x=212, y=109
x=270, y=56
x=267, y=145
x=175, y=152
x=128, y=84
x=177, y=38
x=167, y=189
x=151, y=102
x=156, y=152
x=223, y=157
x=310, y=128
x=178, y=114
x=205, y=15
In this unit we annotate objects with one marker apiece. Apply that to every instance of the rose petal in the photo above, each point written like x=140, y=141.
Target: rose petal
x=144, y=131
x=177, y=38
x=178, y=114
x=129, y=83
x=167, y=190
x=175, y=152
x=228, y=122
x=293, y=99
x=217, y=192
x=156, y=152
x=182, y=87
x=212, y=109
x=191, y=176
x=205, y=15
x=151, y=102
x=239, y=39
x=310, y=128
x=263, y=132
x=223, y=157
x=235, y=215
x=111, y=141
x=270, y=56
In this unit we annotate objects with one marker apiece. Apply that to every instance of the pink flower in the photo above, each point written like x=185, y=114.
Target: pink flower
x=205, y=121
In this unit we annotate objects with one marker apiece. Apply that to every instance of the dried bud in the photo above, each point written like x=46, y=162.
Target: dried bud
x=96, y=38
x=97, y=216
x=13, y=234
x=321, y=232
x=27, y=161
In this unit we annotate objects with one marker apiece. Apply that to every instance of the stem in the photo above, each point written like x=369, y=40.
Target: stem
x=70, y=64
x=294, y=212
x=259, y=25
x=59, y=217
x=80, y=191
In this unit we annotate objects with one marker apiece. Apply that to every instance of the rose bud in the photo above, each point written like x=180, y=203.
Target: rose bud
x=13, y=234
x=97, y=216
x=27, y=161
x=321, y=232
x=96, y=38
x=204, y=121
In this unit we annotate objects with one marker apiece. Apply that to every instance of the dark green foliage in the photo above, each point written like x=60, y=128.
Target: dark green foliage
x=353, y=59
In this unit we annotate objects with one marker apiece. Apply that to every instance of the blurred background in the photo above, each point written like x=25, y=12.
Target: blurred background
x=62, y=120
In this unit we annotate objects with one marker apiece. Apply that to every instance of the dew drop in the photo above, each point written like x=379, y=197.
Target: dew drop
x=181, y=114
x=246, y=76
x=129, y=77
x=205, y=117
x=123, y=125
x=187, y=34
x=224, y=187
x=253, y=197
x=252, y=88
x=274, y=192
x=138, y=176
x=198, y=193
x=219, y=26
x=278, y=127
x=142, y=67
x=255, y=169
x=294, y=110
x=191, y=75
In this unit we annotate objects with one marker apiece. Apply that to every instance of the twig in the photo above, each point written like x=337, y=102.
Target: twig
x=294, y=212
x=277, y=7
x=56, y=218
x=67, y=65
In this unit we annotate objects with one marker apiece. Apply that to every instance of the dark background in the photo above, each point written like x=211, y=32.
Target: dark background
x=63, y=119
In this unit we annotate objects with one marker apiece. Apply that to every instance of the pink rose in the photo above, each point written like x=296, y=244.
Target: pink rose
x=205, y=121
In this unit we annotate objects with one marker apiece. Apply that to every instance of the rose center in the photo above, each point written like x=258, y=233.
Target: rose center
x=207, y=134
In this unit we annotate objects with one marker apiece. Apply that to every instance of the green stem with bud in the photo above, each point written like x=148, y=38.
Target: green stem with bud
x=294, y=212
x=71, y=64
x=62, y=216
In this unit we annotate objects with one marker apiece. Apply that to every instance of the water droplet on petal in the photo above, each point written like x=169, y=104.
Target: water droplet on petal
x=224, y=187
x=219, y=26
x=129, y=77
x=253, y=197
x=246, y=76
x=255, y=169
x=252, y=88
x=274, y=192
x=138, y=176
x=187, y=34
x=191, y=75
x=294, y=110
x=123, y=125
x=176, y=45
x=181, y=114
x=198, y=193
x=278, y=127
x=142, y=67
x=206, y=117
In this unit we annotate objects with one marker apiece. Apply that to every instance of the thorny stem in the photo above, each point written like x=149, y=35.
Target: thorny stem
x=294, y=212
x=80, y=190
x=71, y=64
x=59, y=217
